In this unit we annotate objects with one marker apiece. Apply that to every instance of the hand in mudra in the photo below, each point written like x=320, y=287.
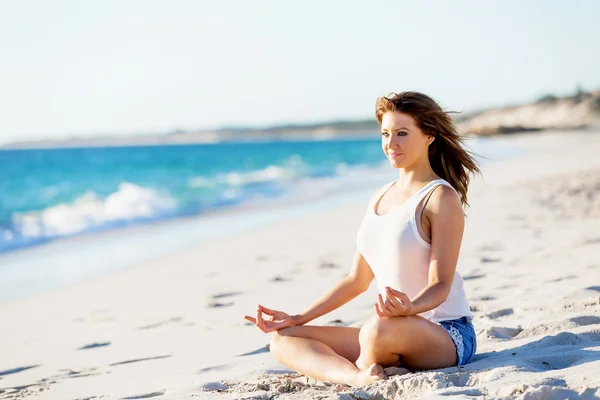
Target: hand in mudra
x=395, y=304
x=277, y=319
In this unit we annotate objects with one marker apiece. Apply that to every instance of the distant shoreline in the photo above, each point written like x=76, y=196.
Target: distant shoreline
x=186, y=139
x=581, y=111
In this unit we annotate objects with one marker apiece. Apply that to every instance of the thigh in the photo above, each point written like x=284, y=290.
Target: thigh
x=342, y=339
x=422, y=344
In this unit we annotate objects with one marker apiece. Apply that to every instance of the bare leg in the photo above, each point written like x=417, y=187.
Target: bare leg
x=419, y=343
x=326, y=353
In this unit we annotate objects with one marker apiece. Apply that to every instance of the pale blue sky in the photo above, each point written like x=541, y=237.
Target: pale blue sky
x=75, y=68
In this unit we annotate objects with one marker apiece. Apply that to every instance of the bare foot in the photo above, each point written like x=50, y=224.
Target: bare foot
x=389, y=371
x=369, y=375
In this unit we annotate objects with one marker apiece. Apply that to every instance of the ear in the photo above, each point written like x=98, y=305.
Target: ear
x=431, y=139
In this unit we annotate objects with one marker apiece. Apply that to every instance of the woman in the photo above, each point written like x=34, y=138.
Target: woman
x=409, y=240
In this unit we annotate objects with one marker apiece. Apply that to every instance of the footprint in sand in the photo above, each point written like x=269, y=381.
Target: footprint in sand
x=499, y=332
x=264, y=349
x=490, y=260
x=328, y=265
x=73, y=373
x=145, y=395
x=483, y=298
x=214, y=386
x=16, y=370
x=565, y=339
x=592, y=241
x=507, y=286
x=138, y=360
x=157, y=324
x=548, y=362
x=225, y=294
x=213, y=303
x=501, y=313
x=471, y=277
x=94, y=345
x=213, y=368
x=558, y=326
x=216, y=304
x=585, y=320
x=564, y=278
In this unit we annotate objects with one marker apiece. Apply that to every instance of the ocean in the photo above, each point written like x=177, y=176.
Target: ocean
x=59, y=207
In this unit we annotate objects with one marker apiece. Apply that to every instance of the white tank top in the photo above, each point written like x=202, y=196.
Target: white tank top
x=399, y=257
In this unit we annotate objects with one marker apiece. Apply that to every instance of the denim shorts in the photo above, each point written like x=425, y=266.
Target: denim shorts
x=463, y=335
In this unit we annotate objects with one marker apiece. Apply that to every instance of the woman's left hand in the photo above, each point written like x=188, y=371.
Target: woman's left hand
x=394, y=305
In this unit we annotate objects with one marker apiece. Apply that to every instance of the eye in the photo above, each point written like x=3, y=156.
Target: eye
x=384, y=133
x=403, y=133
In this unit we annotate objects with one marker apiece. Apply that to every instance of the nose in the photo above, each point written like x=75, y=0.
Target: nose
x=393, y=141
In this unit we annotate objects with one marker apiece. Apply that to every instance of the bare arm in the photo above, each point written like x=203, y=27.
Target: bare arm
x=447, y=227
x=355, y=283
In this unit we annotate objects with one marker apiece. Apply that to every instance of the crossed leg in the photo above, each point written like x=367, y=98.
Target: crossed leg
x=415, y=341
x=356, y=356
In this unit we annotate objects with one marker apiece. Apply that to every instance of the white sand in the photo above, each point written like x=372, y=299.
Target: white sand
x=174, y=328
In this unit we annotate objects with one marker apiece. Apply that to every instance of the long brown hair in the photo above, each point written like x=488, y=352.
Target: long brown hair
x=447, y=157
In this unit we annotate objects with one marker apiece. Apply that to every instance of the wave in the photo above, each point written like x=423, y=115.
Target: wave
x=130, y=203
x=292, y=168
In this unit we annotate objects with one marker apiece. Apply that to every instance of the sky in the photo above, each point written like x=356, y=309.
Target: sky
x=82, y=68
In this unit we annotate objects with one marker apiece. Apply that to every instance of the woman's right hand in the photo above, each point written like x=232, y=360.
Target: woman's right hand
x=278, y=319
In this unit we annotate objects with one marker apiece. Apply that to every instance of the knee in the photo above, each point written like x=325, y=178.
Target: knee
x=374, y=331
x=278, y=339
x=275, y=344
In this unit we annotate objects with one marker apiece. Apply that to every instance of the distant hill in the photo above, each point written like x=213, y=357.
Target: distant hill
x=579, y=111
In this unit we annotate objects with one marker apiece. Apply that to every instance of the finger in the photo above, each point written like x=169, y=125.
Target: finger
x=397, y=293
x=260, y=321
x=267, y=327
x=251, y=319
x=404, y=298
x=378, y=311
x=394, y=301
x=382, y=306
x=390, y=304
x=275, y=326
x=267, y=311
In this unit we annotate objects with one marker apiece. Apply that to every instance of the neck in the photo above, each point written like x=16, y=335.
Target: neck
x=416, y=174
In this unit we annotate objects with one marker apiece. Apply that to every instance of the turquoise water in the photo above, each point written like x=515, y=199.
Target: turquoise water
x=52, y=193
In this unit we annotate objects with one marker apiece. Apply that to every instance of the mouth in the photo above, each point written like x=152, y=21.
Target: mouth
x=395, y=154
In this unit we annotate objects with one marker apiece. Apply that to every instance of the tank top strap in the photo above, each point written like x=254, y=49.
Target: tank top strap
x=383, y=191
x=428, y=189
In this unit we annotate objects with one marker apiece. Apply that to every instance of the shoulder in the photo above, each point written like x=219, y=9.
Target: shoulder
x=444, y=200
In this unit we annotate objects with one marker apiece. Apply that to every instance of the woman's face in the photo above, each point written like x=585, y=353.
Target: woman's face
x=401, y=139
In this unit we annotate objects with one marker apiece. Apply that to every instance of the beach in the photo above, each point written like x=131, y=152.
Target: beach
x=173, y=327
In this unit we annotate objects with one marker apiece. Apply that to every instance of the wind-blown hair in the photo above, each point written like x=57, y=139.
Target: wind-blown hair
x=447, y=156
